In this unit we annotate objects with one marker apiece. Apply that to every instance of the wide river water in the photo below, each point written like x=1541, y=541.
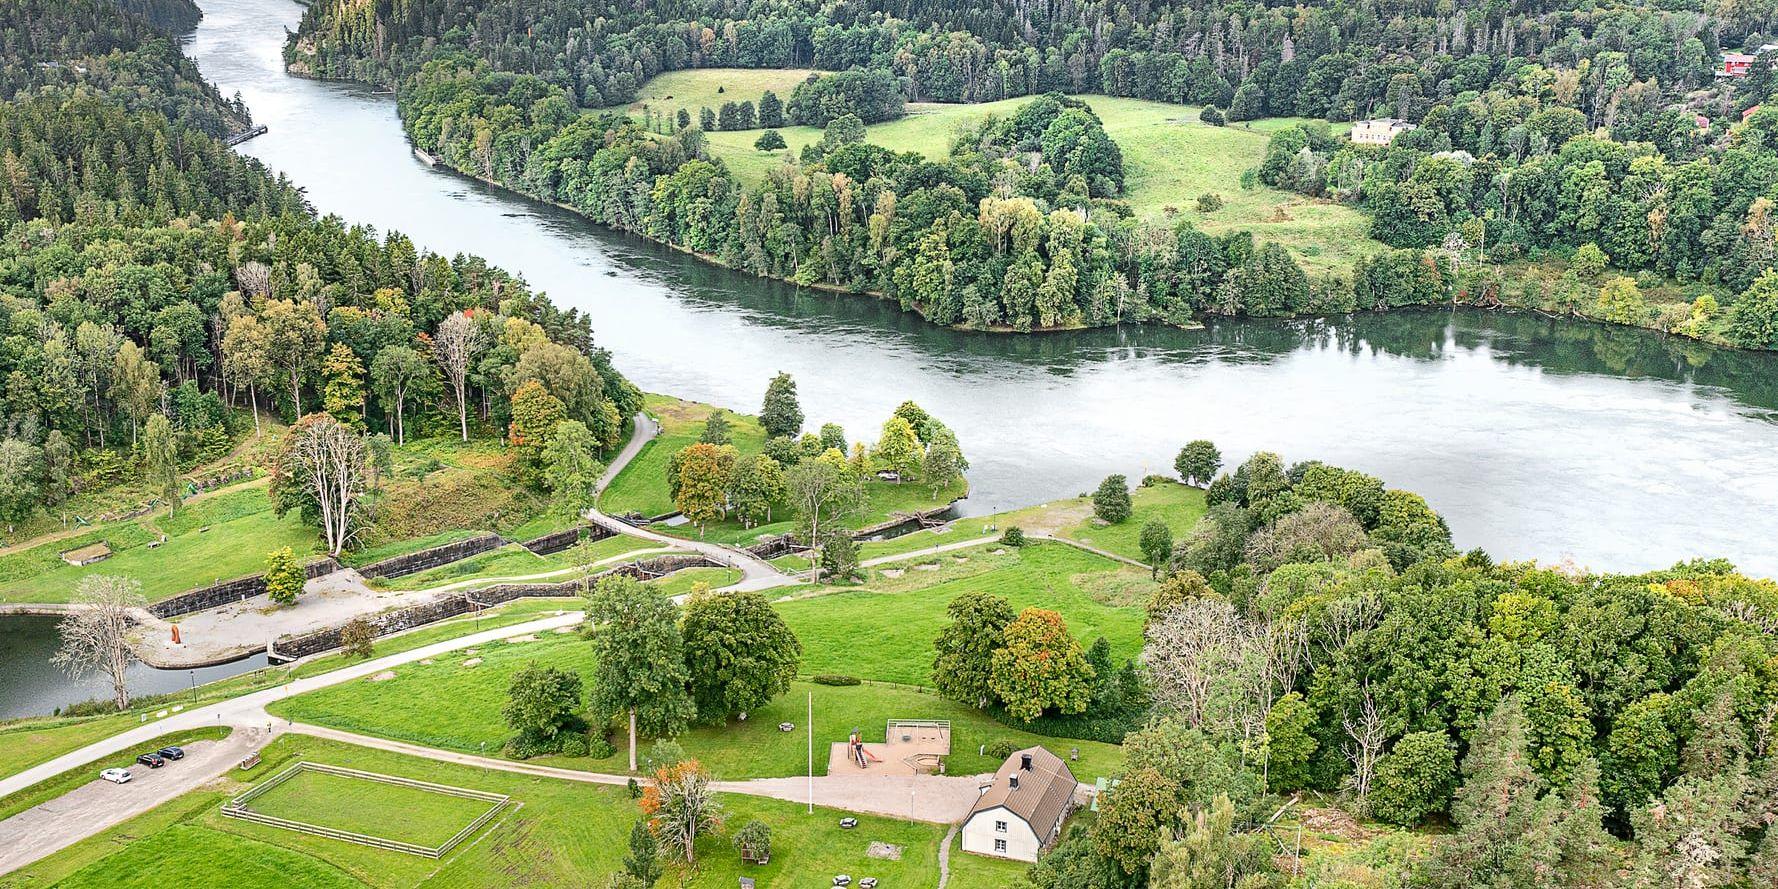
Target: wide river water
x=1614, y=448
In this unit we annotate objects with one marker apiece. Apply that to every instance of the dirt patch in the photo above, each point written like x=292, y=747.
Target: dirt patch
x=997, y=551
x=384, y=676
x=426, y=662
x=885, y=851
x=528, y=637
x=474, y=661
x=563, y=631
x=893, y=572
x=926, y=567
x=1336, y=823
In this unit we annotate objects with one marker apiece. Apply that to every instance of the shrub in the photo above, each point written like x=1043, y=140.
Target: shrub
x=599, y=747
x=833, y=679
x=1111, y=503
x=1414, y=780
x=1013, y=536
x=574, y=745
x=358, y=638
x=1001, y=748
x=1209, y=202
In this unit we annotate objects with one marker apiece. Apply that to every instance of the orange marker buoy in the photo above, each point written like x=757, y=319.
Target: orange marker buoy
x=176, y=634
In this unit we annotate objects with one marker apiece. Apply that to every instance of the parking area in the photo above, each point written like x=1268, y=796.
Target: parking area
x=98, y=804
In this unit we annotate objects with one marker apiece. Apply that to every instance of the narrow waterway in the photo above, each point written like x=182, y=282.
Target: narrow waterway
x=31, y=685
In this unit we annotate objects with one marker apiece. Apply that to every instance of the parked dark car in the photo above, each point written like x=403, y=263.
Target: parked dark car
x=151, y=760
x=173, y=753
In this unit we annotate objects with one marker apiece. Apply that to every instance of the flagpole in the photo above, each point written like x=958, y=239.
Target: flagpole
x=811, y=722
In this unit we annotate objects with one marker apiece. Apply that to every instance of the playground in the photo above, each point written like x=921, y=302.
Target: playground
x=909, y=747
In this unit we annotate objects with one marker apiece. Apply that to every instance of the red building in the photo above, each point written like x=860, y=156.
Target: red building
x=1734, y=64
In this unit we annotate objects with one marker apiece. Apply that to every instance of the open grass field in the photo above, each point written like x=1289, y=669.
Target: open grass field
x=885, y=629
x=213, y=539
x=361, y=805
x=1170, y=157
x=563, y=834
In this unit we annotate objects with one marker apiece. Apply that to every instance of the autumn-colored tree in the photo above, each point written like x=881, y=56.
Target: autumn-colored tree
x=535, y=414
x=1039, y=667
x=702, y=474
x=342, y=395
x=680, y=806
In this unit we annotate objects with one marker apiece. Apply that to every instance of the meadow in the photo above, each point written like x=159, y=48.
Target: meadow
x=1170, y=157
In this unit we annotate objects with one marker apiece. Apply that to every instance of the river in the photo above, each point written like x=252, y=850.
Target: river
x=1616, y=448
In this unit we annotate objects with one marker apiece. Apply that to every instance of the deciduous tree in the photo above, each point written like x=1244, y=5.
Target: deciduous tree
x=95, y=636
x=963, y=669
x=640, y=658
x=1111, y=503
x=781, y=414
x=1039, y=667
x=284, y=576
x=739, y=652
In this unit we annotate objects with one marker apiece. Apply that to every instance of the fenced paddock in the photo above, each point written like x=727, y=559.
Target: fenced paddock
x=414, y=817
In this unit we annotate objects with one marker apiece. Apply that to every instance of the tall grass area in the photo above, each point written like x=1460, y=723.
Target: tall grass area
x=561, y=833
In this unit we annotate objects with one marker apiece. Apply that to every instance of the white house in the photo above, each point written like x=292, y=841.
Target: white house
x=1380, y=131
x=1021, y=813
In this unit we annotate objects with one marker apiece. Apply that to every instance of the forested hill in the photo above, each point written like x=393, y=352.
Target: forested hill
x=1338, y=60
x=172, y=16
x=160, y=293
x=66, y=48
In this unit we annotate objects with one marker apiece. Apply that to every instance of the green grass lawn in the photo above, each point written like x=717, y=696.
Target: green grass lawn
x=213, y=539
x=642, y=486
x=885, y=629
x=695, y=89
x=513, y=560
x=44, y=791
x=882, y=631
x=360, y=805
x=970, y=528
x=561, y=833
x=1180, y=506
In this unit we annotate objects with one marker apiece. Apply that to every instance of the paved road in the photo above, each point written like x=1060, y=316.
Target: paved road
x=940, y=800
x=756, y=574
x=245, y=713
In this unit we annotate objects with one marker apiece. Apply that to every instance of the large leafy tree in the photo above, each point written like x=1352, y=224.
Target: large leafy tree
x=700, y=481
x=781, y=414
x=641, y=672
x=963, y=668
x=1040, y=667
x=738, y=651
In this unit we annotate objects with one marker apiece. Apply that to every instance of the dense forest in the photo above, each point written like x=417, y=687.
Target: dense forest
x=1317, y=632
x=1543, y=127
x=159, y=293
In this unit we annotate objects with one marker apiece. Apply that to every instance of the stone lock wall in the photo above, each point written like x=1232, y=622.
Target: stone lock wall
x=411, y=563
x=229, y=591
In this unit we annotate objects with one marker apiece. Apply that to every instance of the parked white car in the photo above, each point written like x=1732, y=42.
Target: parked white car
x=116, y=776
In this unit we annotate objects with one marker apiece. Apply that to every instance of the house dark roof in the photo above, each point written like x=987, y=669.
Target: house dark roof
x=1043, y=794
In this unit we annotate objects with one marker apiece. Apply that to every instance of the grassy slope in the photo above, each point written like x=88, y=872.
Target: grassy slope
x=212, y=539
x=1178, y=505
x=1170, y=157
x=642, y=486
x=563, y=834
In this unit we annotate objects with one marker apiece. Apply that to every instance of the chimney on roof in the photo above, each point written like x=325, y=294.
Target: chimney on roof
x=1013, y=782
x=1025, y=762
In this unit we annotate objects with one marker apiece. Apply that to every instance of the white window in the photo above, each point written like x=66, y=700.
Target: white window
x=1000, y=827
x=1000, y=845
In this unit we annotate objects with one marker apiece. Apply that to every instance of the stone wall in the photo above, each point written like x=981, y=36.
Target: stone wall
x=431, y=558
x=229, y=591
x=290, y=648
x=772, y=548
x=561, y=540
